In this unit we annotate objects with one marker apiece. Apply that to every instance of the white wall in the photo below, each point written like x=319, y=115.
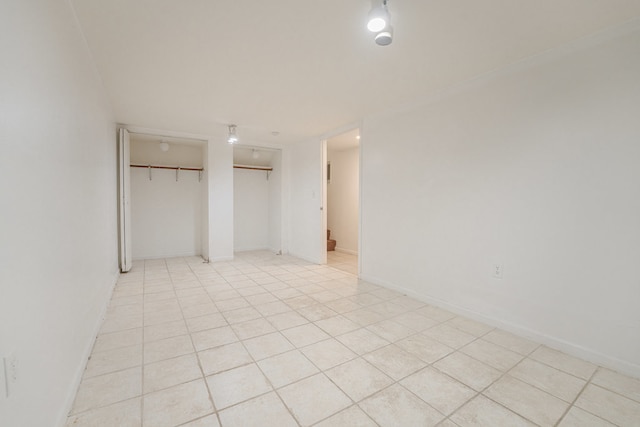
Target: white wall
x=275, y=204
x=343, y=199
x=166, y=215
x=304, y=237
x=58, y=226
x=204, y=197
x=538, y=170
x=220, y=210
x=250, y=210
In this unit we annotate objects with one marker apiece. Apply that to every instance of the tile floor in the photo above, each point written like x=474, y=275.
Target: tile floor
x=343, y=261
x=271, y=340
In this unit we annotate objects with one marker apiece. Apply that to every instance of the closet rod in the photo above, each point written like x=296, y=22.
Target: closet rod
x=167, y=167
x=255, y=168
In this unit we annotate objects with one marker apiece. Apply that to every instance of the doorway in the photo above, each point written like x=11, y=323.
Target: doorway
x=343, y=201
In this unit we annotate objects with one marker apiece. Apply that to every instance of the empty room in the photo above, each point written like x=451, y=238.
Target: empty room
x=171, y=171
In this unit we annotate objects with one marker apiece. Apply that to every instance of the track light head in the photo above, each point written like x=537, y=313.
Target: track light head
x=385, y=37
x=378, y=18
x=233, y=136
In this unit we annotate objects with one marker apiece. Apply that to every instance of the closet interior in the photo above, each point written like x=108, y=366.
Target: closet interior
x=257, y=188
x=168, y=193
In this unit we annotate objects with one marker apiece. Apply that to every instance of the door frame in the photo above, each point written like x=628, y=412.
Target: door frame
x=124, y=200
x=206, y=140
x=324, y=188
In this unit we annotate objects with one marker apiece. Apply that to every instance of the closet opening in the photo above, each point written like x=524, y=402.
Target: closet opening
x=167, y=196
x=343, y=200
x=257, y=199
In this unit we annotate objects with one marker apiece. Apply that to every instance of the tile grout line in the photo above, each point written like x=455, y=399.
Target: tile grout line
x=195, y=352
x=584, y=387
x=273, y=389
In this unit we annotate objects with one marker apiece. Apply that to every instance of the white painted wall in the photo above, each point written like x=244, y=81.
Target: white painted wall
x=305, y=239
x=166, y=215
x=250, y=210
x=58, y=226
x=537, y=169
x=275, y=204
x=343, y=199
x=204, y=197
x=220, y=208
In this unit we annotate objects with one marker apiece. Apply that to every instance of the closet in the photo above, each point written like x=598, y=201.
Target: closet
x=167, y=195
x=257, y=195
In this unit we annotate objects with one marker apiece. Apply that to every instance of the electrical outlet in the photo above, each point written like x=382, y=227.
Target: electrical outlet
x=498, y=271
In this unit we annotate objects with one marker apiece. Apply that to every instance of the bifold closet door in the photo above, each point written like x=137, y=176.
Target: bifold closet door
x=124, y=196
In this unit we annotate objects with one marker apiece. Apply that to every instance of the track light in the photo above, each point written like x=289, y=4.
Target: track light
x=233, y=137
x=378, y=18
x=380, y=23
x=385, y=37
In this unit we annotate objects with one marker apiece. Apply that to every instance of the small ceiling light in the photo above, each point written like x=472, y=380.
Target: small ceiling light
x=357, y=136
x=255, y=154
x=378, y=18
x=233, y=137
x=164, y=146
x=385, y=37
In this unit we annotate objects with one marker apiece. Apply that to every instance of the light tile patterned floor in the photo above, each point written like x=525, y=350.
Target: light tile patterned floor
x=270, y=340
x=343, y=261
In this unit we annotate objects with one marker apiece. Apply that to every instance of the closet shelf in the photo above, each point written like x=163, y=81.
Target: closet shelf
x=167, y=167
x=256, y=168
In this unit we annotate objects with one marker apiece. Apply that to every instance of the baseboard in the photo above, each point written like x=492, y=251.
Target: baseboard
x=570, y=348
x=222, y=258
x=250, y=249
x=77, y=377
x=346, y=251
x=182, y=255
x=305, y=258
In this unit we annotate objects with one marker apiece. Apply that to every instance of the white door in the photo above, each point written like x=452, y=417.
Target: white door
x=124, y=192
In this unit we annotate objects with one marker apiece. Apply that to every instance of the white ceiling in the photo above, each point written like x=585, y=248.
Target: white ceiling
x=304, y=68
x=245, y=156
x=344, y=141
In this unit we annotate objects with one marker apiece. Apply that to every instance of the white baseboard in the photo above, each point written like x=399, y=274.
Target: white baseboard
x=222, y=258
x=619, y=365
x=305, y=258
x=185, y=254
x=77, y=377
x=251, y=248
x=346, y=251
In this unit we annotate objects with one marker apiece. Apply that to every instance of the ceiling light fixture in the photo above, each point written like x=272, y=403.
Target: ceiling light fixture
x=385, y=37
x=233, y=136
x=255, y=154
x=164, y=146
x=379, y=22
x=378, y=17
